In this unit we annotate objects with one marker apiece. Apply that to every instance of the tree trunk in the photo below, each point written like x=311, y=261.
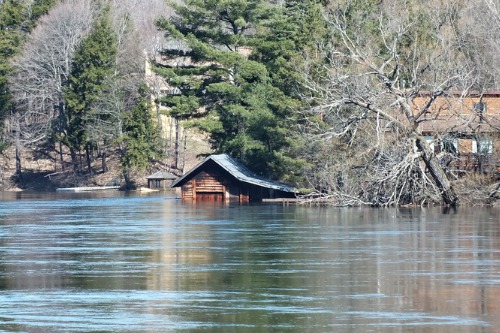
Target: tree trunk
x=126, y=177
x=19, y=169
x=177, y=143
x=74, y=159
x=61, y=155
x=88, y=151
x=62, y=127
x=158, y=115
x=171, y=134
x=18, y=148
x=104, y=164
x=184, y=153
x=438, y=175
x=80, y=160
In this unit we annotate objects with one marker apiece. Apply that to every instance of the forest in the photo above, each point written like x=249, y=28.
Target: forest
x=317, y=94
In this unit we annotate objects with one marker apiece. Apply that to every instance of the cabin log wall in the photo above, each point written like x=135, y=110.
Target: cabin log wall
x=208, y=183
x=187, y=191
x=215, y=186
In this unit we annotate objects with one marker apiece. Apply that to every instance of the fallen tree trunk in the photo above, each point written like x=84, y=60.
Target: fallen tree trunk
x=437, y=173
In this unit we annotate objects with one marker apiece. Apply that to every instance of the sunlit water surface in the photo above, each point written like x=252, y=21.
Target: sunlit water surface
x=116, y=262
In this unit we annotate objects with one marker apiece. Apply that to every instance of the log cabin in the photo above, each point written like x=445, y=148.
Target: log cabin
x=221, y=178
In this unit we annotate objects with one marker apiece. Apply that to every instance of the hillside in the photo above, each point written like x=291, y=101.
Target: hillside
x=42, y=173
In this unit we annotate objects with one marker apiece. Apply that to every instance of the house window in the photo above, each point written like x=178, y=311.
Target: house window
x=430, y=141
x=449, y=145
x=482, y=146
x=480, y=107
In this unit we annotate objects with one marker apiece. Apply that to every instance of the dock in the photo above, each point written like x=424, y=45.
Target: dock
x=301, y=201
x=87, y=189
x=283, y=201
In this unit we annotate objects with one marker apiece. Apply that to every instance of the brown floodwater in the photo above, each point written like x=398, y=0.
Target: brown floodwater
x=118, y=262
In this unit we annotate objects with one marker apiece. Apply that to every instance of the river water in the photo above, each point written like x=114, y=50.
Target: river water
x=118, y=262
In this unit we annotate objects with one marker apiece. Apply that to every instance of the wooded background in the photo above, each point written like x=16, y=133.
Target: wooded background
x=318, y=94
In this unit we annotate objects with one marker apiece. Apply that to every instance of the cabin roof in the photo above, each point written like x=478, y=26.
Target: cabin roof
x=162, y=174
x=237, y=170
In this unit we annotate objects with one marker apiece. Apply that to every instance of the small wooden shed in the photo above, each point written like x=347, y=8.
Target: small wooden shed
x=222, y=178
x=161, y=180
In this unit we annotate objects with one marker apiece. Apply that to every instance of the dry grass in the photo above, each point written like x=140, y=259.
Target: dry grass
x=478, y=189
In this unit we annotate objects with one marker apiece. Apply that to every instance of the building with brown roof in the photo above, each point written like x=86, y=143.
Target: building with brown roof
x=464, y=128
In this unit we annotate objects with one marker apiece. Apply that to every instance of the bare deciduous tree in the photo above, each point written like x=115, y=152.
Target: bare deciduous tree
x=42, y=71
x=375, y=66
x=143, y=15
x=480, y=32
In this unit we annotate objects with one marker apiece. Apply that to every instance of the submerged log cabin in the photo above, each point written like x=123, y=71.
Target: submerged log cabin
x=221, y=178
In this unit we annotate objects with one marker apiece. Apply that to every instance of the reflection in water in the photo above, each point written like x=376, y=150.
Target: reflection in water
x=130, y=263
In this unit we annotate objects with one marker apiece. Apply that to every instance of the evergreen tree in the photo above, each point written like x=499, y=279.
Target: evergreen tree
x=291, y=35
x=38, y=9
x=225, y=92
x=141, y=140
x=11, y=20
x=94, y=62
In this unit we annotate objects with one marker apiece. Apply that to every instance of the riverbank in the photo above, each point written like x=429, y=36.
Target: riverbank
x=42, y=174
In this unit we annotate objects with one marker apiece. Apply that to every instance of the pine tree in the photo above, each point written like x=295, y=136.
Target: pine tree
x=38, y=9
x=11, y=20
x=292, y=31
x=290, y=35
x=226, y=92
x=94, y=62
x=141, y=140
